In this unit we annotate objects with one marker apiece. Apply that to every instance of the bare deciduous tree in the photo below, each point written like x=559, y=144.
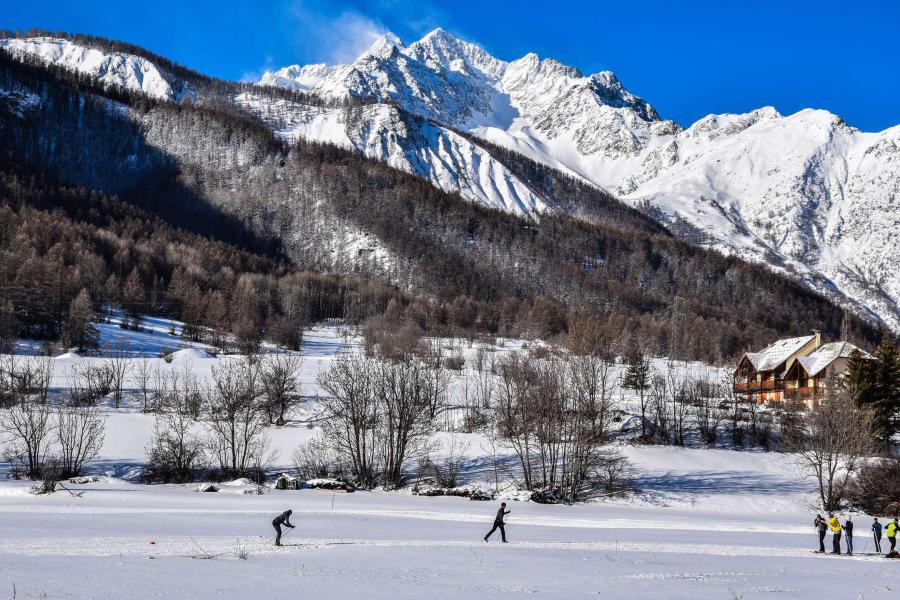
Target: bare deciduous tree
x=26, y=428
x=278, y=377
x=88, y=382
x=118, y=364
x=80, y=432
x=837, y=440
x=350, y=413
x=176, y=450
x=554, y=413
x=316, y=459
x=235, y=416
x=706, y=398
x=142, y=370
x=515, y=420
x=402, y=391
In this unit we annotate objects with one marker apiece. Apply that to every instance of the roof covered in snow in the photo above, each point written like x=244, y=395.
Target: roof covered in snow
x=827, y=354
x=770, y=357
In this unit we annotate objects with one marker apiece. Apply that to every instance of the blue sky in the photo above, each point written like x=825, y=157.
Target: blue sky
x=686, y=58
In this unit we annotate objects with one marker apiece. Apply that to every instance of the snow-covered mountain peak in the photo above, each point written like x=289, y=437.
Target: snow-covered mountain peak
x=296, y=77
x=713, y=126
x=611, y=92
x=440, y=50
x=531, y=68
x=383, y=46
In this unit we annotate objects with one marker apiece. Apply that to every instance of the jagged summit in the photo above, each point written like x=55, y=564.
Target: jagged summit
x=382, y=47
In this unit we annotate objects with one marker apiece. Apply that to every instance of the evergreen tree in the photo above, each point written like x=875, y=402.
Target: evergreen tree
x=7, y=326
x=637, y=377
x=876, y=383
x=80, y=332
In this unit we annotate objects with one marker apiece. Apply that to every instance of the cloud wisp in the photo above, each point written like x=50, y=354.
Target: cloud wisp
x=333, y=38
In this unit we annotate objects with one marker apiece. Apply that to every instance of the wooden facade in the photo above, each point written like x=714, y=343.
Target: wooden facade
x=761, y=375
x=792, y=369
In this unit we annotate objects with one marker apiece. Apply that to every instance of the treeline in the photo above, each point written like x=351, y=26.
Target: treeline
x=222, y=173
x=67, y=252
x=60, y=244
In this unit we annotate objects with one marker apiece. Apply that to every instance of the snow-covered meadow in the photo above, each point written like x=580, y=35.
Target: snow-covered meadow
x=710, y=523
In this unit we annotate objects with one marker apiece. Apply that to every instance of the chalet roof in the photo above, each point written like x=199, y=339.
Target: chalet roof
x=827, y=354
x=770, y=357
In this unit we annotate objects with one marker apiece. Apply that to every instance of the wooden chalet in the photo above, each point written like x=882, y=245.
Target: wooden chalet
x=807, y=377
x=796, y=368
x=760, y=375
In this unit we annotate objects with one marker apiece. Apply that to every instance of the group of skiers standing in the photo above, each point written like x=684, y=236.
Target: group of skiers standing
x=822, y=525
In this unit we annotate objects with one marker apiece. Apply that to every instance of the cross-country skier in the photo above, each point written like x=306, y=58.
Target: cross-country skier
x=282, y=519
x=821, y=528
x=876, y=531
x=892, y=528
x=498, y=523
x=848, y=531
x=835, y=534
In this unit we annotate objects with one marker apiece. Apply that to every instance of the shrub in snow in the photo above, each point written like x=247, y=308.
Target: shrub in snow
x=328, y=484
x=315, y=459
x=287, y=482
x=175, y=453
x=547, y=496
x=877, y=487
x=207, y=487
x=461, y=492
x=84, y=479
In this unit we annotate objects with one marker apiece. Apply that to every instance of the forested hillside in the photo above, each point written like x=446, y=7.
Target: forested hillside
x=205, y=165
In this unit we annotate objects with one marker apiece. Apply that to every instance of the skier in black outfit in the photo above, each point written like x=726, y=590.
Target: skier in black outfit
x=498, y=523
x=282, y=519
x=848, y=532
x=822, y=528
x=876, y=532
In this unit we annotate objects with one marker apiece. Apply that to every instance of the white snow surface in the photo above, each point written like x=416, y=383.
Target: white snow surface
x=711, y=523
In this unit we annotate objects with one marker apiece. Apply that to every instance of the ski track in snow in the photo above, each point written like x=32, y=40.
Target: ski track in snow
x=204, y=546
x=566, y=522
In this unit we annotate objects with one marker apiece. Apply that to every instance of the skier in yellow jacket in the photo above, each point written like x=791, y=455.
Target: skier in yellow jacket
x=891, y=531
x=835, y=525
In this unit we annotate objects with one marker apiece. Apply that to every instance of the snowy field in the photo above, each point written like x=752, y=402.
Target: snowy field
x=709, y=524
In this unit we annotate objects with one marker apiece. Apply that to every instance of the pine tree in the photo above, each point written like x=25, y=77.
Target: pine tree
x=80, y=331
x=887, y=389
x=876, y=383
x=7, y=326
x=637, y=377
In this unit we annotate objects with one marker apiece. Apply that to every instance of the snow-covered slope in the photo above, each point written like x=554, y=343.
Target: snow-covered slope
x=127, y=70
x=382, y=131
x=806, y=193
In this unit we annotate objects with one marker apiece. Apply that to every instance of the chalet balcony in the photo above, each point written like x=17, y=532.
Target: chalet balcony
x=750, y=387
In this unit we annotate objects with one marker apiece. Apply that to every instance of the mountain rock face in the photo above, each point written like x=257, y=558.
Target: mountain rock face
x=805, y=194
